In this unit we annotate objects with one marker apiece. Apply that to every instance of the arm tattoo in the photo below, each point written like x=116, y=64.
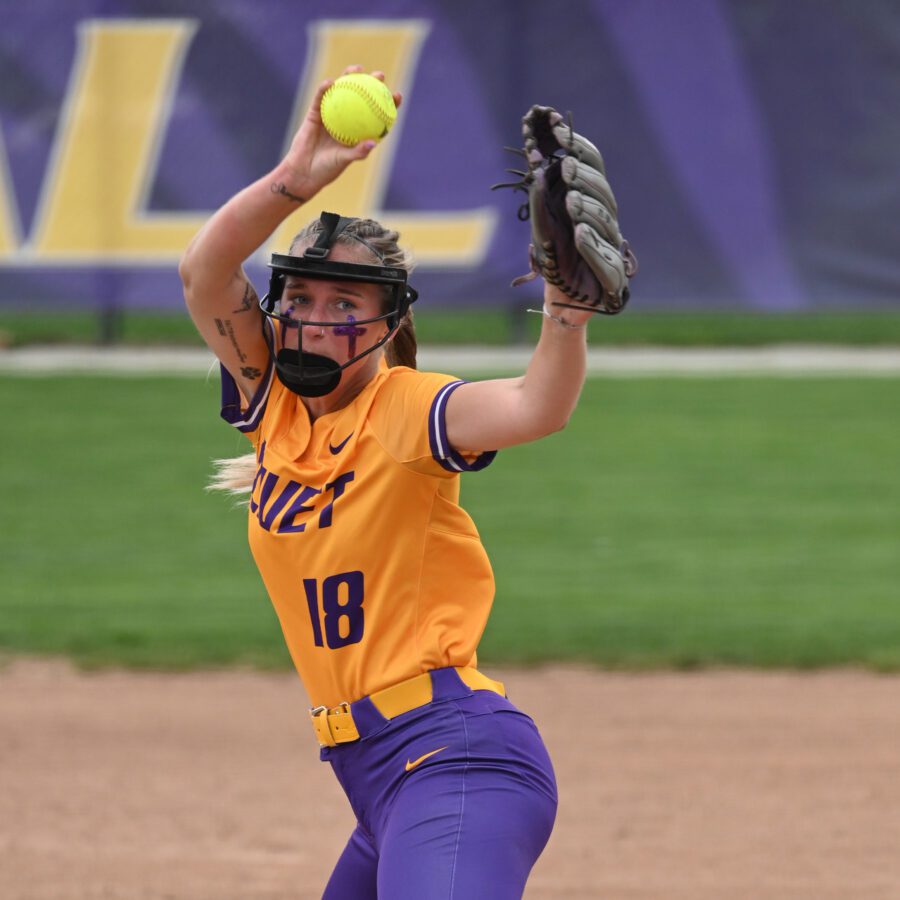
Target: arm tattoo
x=248, y=301
x=250, y=372
x=279, y=188
x=226, y=328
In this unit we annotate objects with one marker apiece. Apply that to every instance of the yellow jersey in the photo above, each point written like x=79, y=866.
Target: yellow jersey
x=375, y=571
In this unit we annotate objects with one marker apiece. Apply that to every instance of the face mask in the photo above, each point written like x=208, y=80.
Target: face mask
x=314, y=375
x=310, y=374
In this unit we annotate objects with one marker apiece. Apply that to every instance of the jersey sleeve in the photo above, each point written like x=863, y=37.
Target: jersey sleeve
x=410, y=420
x=247, y=418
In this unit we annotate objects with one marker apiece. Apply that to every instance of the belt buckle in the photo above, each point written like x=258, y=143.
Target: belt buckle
x=319, y=717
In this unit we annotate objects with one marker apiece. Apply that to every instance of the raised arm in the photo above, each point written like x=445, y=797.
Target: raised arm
x=491, y=415
x=219, y=297
x=576, y=245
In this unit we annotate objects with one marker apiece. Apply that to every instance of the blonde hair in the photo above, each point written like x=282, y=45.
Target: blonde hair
x=235, y=476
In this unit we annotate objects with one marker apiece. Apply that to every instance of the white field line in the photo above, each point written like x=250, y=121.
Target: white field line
x=779, y=359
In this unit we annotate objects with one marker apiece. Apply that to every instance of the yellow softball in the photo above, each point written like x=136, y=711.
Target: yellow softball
x=356, y=108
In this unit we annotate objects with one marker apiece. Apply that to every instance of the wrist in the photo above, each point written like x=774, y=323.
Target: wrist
x=287, y=184
x=563, y=320
x=558, y=307
x=559, y=320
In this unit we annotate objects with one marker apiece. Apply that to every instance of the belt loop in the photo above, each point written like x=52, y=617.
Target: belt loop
x=367, y=717
x=447, y=685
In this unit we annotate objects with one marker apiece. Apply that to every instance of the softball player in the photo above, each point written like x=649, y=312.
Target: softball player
x=378, y=576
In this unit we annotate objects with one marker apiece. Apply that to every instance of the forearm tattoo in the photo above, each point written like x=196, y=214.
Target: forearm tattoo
x=248, y=301
x=279, y=188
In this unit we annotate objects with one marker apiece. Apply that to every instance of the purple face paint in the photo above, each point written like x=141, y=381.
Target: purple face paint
x=352, y=331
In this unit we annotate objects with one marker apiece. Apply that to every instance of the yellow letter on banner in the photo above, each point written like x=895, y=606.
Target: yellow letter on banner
x=93, y=205
x=392, y=46
x=9, y=222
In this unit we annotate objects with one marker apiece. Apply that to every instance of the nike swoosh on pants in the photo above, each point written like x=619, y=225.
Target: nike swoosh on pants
x=411, y=765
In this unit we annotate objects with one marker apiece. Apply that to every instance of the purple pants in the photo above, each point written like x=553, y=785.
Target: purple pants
x=453, y=801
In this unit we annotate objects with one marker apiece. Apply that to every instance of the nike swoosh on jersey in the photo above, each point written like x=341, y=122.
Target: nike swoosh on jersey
x=340, y=446
x=411, y=765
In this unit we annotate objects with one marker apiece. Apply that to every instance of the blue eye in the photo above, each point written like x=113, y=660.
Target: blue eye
x=289, y=305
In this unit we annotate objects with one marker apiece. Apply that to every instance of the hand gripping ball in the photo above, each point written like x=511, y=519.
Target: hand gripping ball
x=356, y=108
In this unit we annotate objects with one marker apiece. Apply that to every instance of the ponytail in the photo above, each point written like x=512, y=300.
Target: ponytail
x=401, y=351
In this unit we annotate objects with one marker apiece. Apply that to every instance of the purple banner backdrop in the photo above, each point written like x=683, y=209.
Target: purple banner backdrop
x=753, y=147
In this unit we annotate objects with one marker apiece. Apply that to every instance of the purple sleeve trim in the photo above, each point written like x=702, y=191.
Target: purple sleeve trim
x=247, y=420
x=441, y=450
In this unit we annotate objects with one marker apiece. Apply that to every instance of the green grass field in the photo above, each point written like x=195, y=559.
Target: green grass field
x=691, y=522
x=498, y=326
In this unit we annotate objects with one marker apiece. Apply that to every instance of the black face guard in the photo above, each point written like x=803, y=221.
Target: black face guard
x=310, y=374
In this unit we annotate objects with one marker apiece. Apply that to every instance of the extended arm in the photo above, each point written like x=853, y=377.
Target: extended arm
x=577, y=247
x=491, y=415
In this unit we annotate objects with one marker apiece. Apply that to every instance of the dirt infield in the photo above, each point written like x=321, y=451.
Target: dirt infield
x=697, y=786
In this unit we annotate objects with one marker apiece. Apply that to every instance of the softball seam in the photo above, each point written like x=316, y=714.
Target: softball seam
x=370, y=101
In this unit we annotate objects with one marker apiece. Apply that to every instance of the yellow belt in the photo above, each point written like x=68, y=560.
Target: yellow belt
x=336, y=726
